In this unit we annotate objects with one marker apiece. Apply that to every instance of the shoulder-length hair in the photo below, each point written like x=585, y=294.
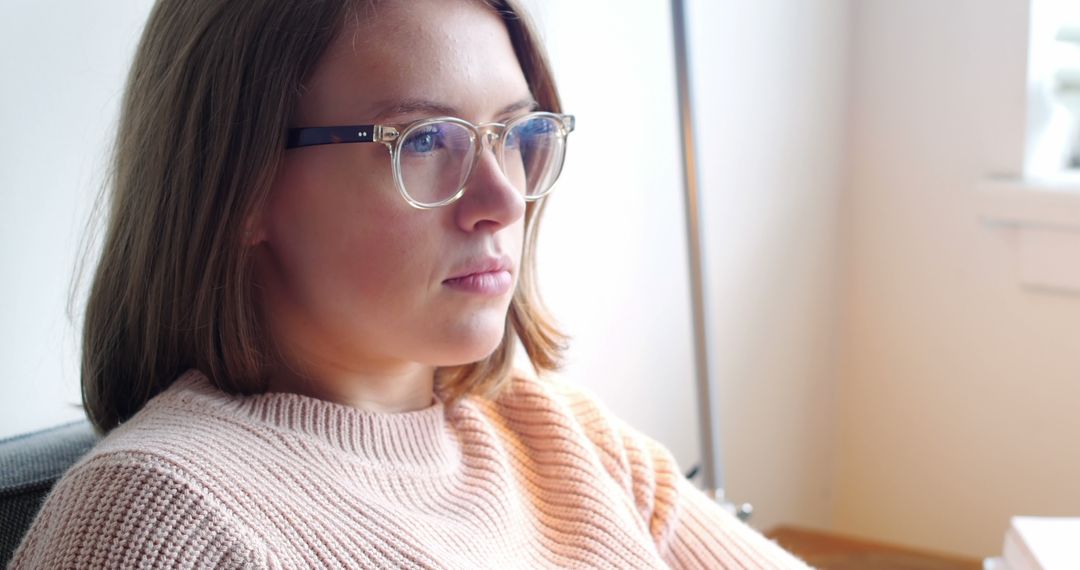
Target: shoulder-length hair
x=201, y=134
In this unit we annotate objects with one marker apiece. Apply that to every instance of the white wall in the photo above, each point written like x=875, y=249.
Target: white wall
x=959, y=387
x=771, y=97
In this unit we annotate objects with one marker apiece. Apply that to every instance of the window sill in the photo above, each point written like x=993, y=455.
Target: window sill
x=1045, y=217
x=1019, y=202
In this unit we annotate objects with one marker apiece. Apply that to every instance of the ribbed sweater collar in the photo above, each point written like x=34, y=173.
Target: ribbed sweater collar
x=410, y=441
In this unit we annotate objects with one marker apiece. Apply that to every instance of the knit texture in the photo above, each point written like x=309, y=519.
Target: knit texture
x=544, y=476
x=30, y=464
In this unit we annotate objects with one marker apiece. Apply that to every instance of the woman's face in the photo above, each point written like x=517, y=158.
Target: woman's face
x=352, y=278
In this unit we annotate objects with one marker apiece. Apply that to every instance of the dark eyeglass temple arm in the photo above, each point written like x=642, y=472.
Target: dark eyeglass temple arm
x=330, y=135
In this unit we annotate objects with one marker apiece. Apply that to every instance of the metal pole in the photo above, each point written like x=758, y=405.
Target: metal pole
x=712, y=467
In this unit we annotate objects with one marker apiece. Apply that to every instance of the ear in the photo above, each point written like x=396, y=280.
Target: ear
x=254, y=229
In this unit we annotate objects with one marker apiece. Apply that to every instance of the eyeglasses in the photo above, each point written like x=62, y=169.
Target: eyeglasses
x=433, y=159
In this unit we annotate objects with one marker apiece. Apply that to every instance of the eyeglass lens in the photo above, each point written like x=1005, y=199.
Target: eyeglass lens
x=435, y=159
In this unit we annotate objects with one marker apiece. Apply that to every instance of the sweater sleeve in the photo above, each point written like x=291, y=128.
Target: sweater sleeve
x=690, y=530
x=127, y=510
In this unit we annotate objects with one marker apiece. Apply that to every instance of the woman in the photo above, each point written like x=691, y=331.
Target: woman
x=299, y=344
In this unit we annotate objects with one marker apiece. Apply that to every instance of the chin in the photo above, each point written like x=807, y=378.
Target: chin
x=469, y=344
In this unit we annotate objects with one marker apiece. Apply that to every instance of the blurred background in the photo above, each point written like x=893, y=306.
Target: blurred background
x=891, y=214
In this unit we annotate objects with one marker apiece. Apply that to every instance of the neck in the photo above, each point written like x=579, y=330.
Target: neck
x=404, y=387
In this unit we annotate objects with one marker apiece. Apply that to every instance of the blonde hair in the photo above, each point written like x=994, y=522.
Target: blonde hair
x=203, y=120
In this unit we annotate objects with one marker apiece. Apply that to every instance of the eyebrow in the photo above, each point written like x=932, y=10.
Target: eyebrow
x=410, y=106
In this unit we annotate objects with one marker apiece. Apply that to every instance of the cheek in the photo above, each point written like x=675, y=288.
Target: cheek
x=321, y=200
x=308, y=206
x=340, y=233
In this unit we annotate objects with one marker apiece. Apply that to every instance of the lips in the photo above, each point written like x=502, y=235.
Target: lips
x=483, y=276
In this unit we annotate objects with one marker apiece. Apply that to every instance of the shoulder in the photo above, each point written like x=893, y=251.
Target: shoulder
x=148, y=484
x=130, y=508
x=181, y=428
x=555, y=396
x=580, y=402
x=620, y=448
x=555, y=392
x=644, y=468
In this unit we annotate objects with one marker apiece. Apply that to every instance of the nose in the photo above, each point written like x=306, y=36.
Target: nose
x=490, y=200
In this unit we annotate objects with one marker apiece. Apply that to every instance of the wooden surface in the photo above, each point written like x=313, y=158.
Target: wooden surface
x=836, y=552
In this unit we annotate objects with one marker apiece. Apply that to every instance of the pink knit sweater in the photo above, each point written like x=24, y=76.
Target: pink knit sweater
x=542, y=477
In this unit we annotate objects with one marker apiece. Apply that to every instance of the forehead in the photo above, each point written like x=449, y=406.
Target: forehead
x=456, y=53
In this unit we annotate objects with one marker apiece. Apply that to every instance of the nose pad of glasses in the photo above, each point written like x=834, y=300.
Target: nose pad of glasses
x=488, y=139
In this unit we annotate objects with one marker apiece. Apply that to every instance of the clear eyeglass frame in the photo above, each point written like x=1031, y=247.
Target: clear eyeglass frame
x=490, y=136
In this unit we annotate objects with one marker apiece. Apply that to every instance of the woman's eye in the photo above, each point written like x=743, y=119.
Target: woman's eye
x=423, y=141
